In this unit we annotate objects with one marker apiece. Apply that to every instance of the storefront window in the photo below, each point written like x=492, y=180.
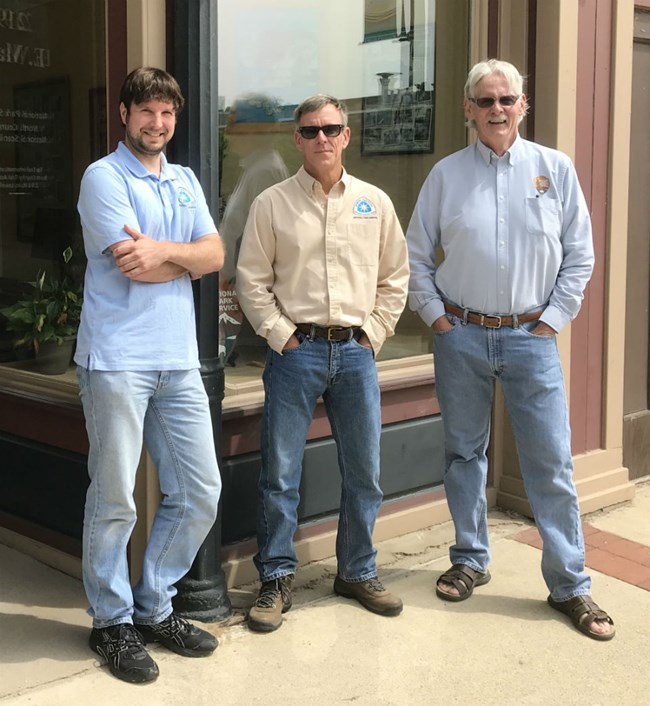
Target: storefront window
x=399, y=65
x=52, y=125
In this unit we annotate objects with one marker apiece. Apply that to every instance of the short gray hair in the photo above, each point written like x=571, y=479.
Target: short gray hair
x=494, y=66
x=318, y=101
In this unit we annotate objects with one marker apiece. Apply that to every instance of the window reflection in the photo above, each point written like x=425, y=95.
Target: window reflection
x=398, y=64
x=52, y=124
x=251, y=144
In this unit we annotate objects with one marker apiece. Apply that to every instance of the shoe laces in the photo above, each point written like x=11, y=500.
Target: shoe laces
x=175, y=625
x=127, y=639
x=376, y=585
x=270, y=591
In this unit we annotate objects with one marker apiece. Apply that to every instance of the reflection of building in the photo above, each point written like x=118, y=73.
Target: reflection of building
x=259, y=170
x=42, y=438
x=251, y=138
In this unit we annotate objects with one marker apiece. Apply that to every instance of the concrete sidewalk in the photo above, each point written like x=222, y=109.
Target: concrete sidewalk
x=503, y=646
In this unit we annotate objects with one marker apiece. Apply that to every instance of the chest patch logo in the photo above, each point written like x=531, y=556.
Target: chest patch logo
x=364, y=207
x=184, y=197
x=542, y=184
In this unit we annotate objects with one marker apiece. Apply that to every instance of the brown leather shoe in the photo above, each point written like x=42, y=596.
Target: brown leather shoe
x=371, y=594
x=274, y=599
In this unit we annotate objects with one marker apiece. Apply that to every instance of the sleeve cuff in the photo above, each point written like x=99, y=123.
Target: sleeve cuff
x=432, y=311
x=556, y=319
x=280, y=334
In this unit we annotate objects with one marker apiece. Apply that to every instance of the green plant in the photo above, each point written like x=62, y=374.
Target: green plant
x=51, y=311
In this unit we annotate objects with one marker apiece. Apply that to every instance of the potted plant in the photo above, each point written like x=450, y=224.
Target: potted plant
x=46, y=320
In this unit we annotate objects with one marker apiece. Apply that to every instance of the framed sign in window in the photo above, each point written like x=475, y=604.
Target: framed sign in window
x=43, y=151
x=398, y=123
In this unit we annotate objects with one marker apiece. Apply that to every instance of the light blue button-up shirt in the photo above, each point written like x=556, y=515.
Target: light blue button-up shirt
x=125, y=324
x=515, y=232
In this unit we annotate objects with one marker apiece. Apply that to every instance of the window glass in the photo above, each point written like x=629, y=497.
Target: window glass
x=52, y=125
x=399, y=65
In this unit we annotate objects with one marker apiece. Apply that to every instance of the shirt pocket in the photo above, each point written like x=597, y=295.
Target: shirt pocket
x=363, y=243
x=543, y=216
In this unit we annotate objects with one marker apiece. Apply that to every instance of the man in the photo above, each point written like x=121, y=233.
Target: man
x=514, y=227
x=147, y=232
x=322, y=275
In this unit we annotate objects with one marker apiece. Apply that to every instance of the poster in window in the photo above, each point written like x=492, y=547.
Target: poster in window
x=43, y=160
x=398, y=122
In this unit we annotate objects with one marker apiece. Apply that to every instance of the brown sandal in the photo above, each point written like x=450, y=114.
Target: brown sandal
x=583, y=612
x=463, y=578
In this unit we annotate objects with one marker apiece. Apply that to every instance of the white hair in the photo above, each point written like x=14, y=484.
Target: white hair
x=479, y=71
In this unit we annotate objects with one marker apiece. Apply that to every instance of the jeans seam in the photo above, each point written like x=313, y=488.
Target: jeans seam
x=276, y=575
x=155, y=621
x=96, y=495
x=174, y=529
x=362, y=579
x=111, y=623
x=571, y=595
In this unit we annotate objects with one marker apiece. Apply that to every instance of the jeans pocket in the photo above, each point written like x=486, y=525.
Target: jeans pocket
x=356, y=344
x=454, y=320
x=303, y=340
x=528, y=327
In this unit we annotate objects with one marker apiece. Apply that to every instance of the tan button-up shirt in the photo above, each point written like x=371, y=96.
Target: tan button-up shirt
x=333, y=260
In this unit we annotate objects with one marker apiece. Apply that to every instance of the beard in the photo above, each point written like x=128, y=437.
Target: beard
x=137, y=143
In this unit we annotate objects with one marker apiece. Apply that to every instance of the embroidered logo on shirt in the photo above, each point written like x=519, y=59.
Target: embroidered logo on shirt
x=542, y=184
x=184, y=197
x=364, y=207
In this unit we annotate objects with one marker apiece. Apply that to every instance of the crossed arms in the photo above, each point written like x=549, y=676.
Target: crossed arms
x=143, y=259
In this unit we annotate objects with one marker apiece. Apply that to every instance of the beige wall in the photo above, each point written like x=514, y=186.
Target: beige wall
x=600, y=477
x=145, y=33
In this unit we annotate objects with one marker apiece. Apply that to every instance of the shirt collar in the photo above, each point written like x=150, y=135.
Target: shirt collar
x=135, y=166
x=512, y=153
x=309, y=184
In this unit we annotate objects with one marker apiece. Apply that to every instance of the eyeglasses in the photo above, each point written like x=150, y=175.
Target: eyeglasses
x=309, y=132
x=489, y=102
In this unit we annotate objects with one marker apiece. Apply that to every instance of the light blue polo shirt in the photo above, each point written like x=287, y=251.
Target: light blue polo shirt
x=127, y=325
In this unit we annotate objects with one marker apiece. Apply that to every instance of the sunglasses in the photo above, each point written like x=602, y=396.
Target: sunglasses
x=309, y=132
x=489, y=102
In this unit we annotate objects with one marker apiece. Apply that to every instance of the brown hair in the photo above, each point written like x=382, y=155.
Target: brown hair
x=148, y=83
x=320, y=100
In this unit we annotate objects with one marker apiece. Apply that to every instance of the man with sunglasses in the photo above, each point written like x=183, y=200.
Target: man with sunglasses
x=515, y=231
x=322, y=275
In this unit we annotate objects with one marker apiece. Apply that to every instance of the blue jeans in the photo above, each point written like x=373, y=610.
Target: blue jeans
x=346, y=376
x=468, y=361
x=170, y=411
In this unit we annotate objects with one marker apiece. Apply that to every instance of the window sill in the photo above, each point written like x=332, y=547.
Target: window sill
x=57, y=389
x=245, y=394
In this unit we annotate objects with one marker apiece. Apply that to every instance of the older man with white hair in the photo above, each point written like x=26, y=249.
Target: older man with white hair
x=515, y=231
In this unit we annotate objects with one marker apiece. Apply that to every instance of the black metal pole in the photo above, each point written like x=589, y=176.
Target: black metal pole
x=202, y=593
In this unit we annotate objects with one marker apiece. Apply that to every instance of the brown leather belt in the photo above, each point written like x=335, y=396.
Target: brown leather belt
x=491, y=320
x=331, y=333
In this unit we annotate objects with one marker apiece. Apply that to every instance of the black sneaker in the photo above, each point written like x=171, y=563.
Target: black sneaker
x=179, y=636
x=122, y=647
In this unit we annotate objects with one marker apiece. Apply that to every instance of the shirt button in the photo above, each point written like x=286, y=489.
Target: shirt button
x=501, y=220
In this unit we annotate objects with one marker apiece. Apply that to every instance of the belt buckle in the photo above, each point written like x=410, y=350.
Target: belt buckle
x=333, y=330
x=485, y=323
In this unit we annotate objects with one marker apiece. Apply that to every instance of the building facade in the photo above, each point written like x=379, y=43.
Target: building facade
x=400, y=65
